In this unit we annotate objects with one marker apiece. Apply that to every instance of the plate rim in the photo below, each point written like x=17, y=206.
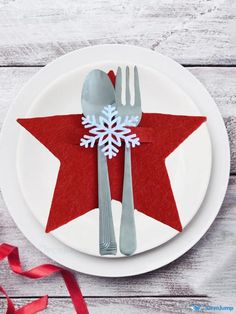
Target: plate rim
x=84, y=262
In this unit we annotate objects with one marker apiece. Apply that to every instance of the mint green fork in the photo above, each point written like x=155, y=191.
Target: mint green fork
x=128, y=242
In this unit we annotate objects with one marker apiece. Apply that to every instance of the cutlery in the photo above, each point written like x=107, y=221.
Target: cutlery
x=127, y=228
x=97, y=92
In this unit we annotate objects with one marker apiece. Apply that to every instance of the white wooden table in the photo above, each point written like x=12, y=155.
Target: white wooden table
x=200, y=34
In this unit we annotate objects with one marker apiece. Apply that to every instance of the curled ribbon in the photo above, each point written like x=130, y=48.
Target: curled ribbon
x=12, y=254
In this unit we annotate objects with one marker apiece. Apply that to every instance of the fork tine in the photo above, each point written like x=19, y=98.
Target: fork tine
x=118, y=88
x=127, y=90
x=137, y=97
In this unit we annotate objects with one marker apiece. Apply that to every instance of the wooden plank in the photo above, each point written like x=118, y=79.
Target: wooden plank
x=137, y=305
x=188, y=31
x=205, y=270
x=220, y=82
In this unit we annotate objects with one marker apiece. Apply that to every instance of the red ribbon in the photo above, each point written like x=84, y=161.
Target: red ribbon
x=12, y=254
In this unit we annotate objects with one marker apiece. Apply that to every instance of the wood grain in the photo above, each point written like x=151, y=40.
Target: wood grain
x=131, y=305
x=190, y=31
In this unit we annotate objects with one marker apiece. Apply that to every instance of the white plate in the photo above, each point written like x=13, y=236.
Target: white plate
x=151, y=259
x=189, y=171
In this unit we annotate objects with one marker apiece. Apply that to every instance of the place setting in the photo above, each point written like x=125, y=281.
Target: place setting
x=117, y=158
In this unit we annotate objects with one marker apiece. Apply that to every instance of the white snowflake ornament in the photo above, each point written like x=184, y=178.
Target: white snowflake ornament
x=110, y=130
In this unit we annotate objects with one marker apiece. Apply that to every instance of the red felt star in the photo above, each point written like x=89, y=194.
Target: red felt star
x=76, y=188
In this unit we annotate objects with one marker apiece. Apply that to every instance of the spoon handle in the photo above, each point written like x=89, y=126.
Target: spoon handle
x=107, y=241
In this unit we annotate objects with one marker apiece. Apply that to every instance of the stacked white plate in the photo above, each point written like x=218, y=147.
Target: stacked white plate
x=198, y=168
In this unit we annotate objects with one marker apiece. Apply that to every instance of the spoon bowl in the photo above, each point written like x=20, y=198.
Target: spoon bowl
x=97, y=92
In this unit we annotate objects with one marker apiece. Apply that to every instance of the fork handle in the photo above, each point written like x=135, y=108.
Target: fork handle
x=107, y=241
x=127, y=228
